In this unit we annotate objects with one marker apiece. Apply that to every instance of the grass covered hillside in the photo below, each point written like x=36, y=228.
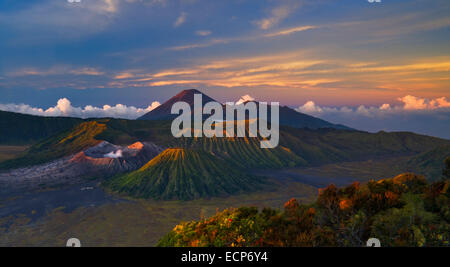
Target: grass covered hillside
x=67, y=143
x=244, y=152
x=184, y=174
x=402, y=211
x=330, y=145
x=20, y=129
x=428, y=163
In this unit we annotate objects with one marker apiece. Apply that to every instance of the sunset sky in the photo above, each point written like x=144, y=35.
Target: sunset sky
x=317, y=56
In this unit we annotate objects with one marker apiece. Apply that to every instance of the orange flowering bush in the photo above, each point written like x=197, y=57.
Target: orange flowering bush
x=402, y=211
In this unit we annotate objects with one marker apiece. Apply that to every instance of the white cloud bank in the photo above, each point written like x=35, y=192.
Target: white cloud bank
x=64, y=108
x=410, y=103
x=414, y=114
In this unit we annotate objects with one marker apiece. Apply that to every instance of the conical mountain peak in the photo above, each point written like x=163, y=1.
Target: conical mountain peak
x=163, y=112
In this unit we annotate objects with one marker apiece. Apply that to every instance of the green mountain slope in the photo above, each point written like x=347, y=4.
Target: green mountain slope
x=244, y=152
x=330, y=145
x=184, y=174
x=19, y=129
x=67, y=143
x=88, y=133
x=430, y=163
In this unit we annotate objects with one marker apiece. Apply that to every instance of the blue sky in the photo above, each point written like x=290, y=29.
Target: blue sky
x=335, y=53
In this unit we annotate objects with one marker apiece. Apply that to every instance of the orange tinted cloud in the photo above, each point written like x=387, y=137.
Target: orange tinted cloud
x=309, y=71
x=124, y=75
x=417, y=103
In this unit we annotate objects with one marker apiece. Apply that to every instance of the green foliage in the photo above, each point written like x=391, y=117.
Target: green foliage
x=184, y=174
x=402, y=211
x=404, y=226
x=219, y=230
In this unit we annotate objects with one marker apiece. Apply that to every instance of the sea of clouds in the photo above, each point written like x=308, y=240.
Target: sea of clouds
x=64, y=108
x=414, y=114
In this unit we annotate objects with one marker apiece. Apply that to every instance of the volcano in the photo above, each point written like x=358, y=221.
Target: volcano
x=288, y=116
x=184, y=174
x=163, y=112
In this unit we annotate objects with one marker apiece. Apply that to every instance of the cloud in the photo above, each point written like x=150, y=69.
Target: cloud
x=202, y=45
x=174, y=73
x=298, y=69
x=408, y=24
x=441, y=102
x=177, y=82
x=416, y=103
x=282, y=70
x=307, y=69
x=149, y=2
x=108, y=6
x=50, y=21
x=310, y=107
x=124, y=75
x=385, y=107
x=180, y=20
x=42, y=22
x=291, y=31
x=203, y=32
x=56, y=70
x=87, y=71
x=64, y=108
x=277, y=14
x=238, y=39
x=420, y=115
x=244, y=99
x=410, y=103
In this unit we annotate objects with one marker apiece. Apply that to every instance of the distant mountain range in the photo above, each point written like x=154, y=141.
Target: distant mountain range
x=288, y=116
x=165, y=167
